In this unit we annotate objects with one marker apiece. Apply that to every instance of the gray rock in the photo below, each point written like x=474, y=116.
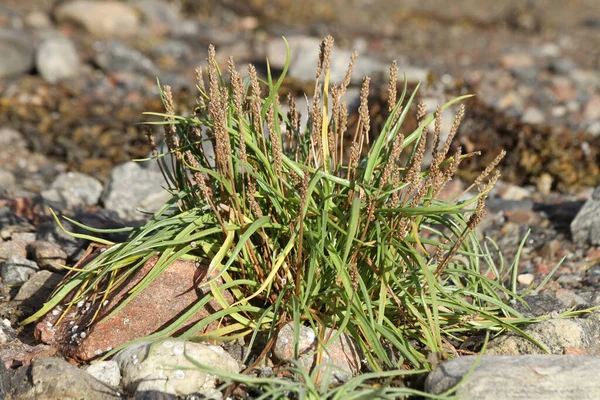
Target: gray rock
x=7, y=333
x=172, y=48
x=153, y=367
x=100, y=18
x=535, y=377
x=304, y=54
x=559, y=336
x=17, y=52
x=9, y=218
x=12, y=248
x=4, y=381
x=12, y=139
x=106, y=371
x=585, y=228
x=56, y=59
x=54, y=378
x=131, y=188
x=36, y=290
x=116, y=56
x=533, y=116
x=38, y=19
x=51, y=232
x=17, y=270
x=7, y=179
x=48, y=255
x=340, y=360
x=74, y=189
x=190, y=28
x=594, y=128
x=160, y=14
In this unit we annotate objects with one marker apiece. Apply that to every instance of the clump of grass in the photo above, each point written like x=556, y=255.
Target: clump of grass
x=302, y=228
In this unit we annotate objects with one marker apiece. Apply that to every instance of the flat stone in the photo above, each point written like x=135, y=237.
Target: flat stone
x=17, y=52
x=585, y=228
x=557, y=335
x=36, y=290
x=342, y=355
x=163, y=366
x=54, y=378
x=151, y=310
x=57, y=59
x=48, y=255
x=534, y=377
x=100, y=18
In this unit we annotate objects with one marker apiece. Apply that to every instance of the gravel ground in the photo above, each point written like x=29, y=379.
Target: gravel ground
x=72, y=95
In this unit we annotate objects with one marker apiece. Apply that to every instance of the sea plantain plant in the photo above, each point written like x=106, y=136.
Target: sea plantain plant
x=313, y=224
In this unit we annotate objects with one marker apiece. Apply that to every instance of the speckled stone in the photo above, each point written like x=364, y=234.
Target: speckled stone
x=151, y=310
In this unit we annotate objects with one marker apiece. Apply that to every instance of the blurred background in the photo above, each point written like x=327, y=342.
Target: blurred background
x=76, y=75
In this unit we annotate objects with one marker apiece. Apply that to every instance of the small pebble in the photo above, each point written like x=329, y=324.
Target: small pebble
x=525, y=279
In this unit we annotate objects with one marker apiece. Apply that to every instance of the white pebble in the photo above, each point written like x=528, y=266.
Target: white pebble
x=525, y=279
x=178, y=349
x=179, y=374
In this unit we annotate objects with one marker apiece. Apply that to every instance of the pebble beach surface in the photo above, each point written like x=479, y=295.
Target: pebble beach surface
x=76, y=75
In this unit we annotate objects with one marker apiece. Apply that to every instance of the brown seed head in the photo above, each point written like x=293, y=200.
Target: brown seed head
x=490, y=168
x=363, y=109
x=170, y=130
x=275, y=139
x=392, y=91
x=457, y=120
x=348, y=76
x=438, y=129
x=327, y=46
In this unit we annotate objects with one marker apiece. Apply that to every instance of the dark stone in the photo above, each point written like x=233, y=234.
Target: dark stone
x=54, y=378
x=4, y=381
x=51, y=232
x=8, y=218
x=154, y=395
